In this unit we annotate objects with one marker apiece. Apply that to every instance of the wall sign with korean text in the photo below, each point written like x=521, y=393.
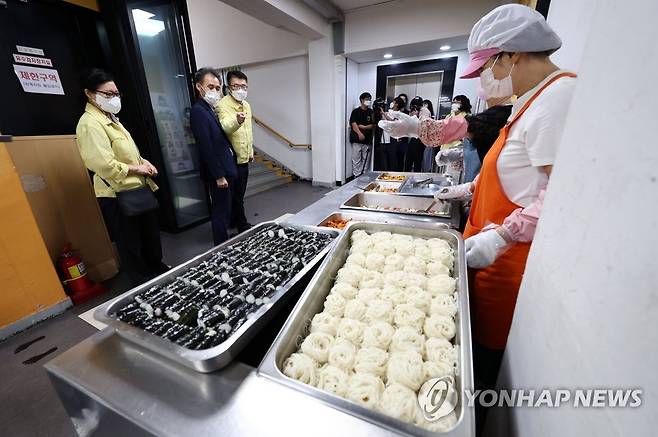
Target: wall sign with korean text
x=34, y=60
x=39, y=80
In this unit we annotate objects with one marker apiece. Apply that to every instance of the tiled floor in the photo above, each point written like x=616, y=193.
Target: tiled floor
x=28, y=403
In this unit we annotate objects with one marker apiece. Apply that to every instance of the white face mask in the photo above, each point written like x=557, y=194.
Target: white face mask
x=455, y=107
x=391, y=106
x=239, y=95
x=111, y=105
x=212, y=97
x=367, y=102
x=494, y=88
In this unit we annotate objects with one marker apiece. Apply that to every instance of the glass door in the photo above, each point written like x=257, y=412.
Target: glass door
x=160, y=37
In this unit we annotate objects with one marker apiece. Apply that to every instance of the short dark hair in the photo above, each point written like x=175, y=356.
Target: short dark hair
x=398, y=101
x=201, y=73
x=406, y=97
x=430, y=106
x=365, y=95
x=237, y=74
x=95, y=77
x=465, y=103
x=485, y=127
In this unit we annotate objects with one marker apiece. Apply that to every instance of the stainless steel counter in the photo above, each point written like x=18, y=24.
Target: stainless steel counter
x=111, y=387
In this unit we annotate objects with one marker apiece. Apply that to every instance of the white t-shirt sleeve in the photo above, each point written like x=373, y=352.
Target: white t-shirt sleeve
x=546, y=122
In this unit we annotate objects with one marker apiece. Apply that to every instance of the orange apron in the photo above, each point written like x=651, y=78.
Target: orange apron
x=494, y=289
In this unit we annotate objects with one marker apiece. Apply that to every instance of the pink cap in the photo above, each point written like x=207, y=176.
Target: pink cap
x=477, y=60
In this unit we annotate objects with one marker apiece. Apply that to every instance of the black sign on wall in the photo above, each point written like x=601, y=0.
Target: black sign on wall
x=71, y=38
x=447, y=65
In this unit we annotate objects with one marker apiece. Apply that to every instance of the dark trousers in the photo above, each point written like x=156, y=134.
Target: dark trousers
x=137, y=239
x=486, y=364
x=238, y=218
x=388, y=156
x=414, y=159
x=399, y=147
x=220, y=211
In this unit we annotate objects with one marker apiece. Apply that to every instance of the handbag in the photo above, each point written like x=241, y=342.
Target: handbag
x=136, y=201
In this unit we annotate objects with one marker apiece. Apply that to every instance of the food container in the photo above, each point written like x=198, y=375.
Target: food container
x=391, y=203
x=311, y=303
x=207, y=360
x=392, y=176
x=364, y=216
x=384, y=187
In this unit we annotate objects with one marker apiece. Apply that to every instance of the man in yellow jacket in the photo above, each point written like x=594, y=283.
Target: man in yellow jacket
x=234, y=115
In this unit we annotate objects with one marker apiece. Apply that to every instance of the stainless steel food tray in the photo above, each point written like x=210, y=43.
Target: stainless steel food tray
x=385, y=184
x=392, y=173
x=408, y=189
x=311, y=303
x=379, y=217
x=370, y=202
x=207, y=360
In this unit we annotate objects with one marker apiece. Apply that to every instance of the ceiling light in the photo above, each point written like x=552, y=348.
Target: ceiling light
x=444, y=48
x=388, y=55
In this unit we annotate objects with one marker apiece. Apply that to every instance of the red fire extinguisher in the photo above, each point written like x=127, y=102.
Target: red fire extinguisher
x=74, y=277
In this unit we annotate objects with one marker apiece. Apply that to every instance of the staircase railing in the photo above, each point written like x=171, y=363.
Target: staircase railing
x=279, y=135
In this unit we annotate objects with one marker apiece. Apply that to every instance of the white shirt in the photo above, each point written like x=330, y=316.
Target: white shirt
x=533, y=139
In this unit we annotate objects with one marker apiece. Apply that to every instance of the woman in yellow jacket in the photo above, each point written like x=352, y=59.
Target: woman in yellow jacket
x=109, y=151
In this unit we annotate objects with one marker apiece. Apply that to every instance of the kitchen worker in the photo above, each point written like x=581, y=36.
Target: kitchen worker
x=234, y=114
x=509, y=50
x=108, y=150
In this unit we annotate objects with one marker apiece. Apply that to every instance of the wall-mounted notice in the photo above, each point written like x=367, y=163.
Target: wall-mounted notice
x=26, y=59
x=30, y=50
x=39, y=80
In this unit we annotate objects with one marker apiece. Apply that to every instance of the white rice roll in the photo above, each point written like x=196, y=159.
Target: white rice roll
x=397, y=279
x=398, y=296
x=359, y=234
x=408, y=315
x=333, y=380
x=444, y=305
x=395, y=260
x=367, y=294
x=371, y=279
x=406, y=368
x=437, y=369
x=423, y=252
x=435, y=268
x=441, y=284
x=440, y=327
x=302, y=368
x=316, y=345
x=379, y=309
x=420, y=298
x=378, y=334
x=400, y=402
x=443, y=256
x=381, y=236
x=383, y=247
x=350, y=274
x=404, y=248
x=440, y=350
x=324, y=322
x=365, y=389
x=401, y=237
x=438, y=243
x=334, y=304
x=362, y=246
x=355, y=309
x=371, y=360
x=413, y=264
x=342, y=354
x=375, y=261
x=345, y=290
x=405, y=339
x=351, y=330
x=357, y=258
x=420, y=242
x=415, y=279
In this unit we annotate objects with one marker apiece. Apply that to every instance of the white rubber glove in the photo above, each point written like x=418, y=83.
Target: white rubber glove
x=404, y=126
x=449, y=155
x=455, y=192
x=482, y=249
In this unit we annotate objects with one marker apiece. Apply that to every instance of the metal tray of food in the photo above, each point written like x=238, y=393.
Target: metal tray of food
x=425, y=184
x=384, y=187
x=208, y=360
x=363, y=216
x=311, y=303
x=392, y=176
x=394, y=204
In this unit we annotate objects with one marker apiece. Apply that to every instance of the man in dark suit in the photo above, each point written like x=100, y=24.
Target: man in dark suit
x=218, y=169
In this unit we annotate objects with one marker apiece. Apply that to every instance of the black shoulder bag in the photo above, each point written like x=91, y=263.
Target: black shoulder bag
x=136, y=201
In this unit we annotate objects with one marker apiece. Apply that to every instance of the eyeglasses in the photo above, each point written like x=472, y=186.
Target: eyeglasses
x=109, y=94
x=236, y=87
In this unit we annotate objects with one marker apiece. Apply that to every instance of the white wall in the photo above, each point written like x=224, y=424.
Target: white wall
x=413, y=20
x=587, y=309
x=571, y=21
x=279, y=96
x=351, y=102
x=367, y=79
x=224, y=37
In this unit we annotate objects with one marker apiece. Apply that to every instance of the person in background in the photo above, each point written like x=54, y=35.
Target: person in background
x=399, y=145
x=405, y=98
x=461, y=106
x=428, y=153
x=483, y=129
x=414, y=159
x=236, y=119
x=382, y=140
x=509, y=51
x=361, y=123
x=218, y=168
x=108, y=150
